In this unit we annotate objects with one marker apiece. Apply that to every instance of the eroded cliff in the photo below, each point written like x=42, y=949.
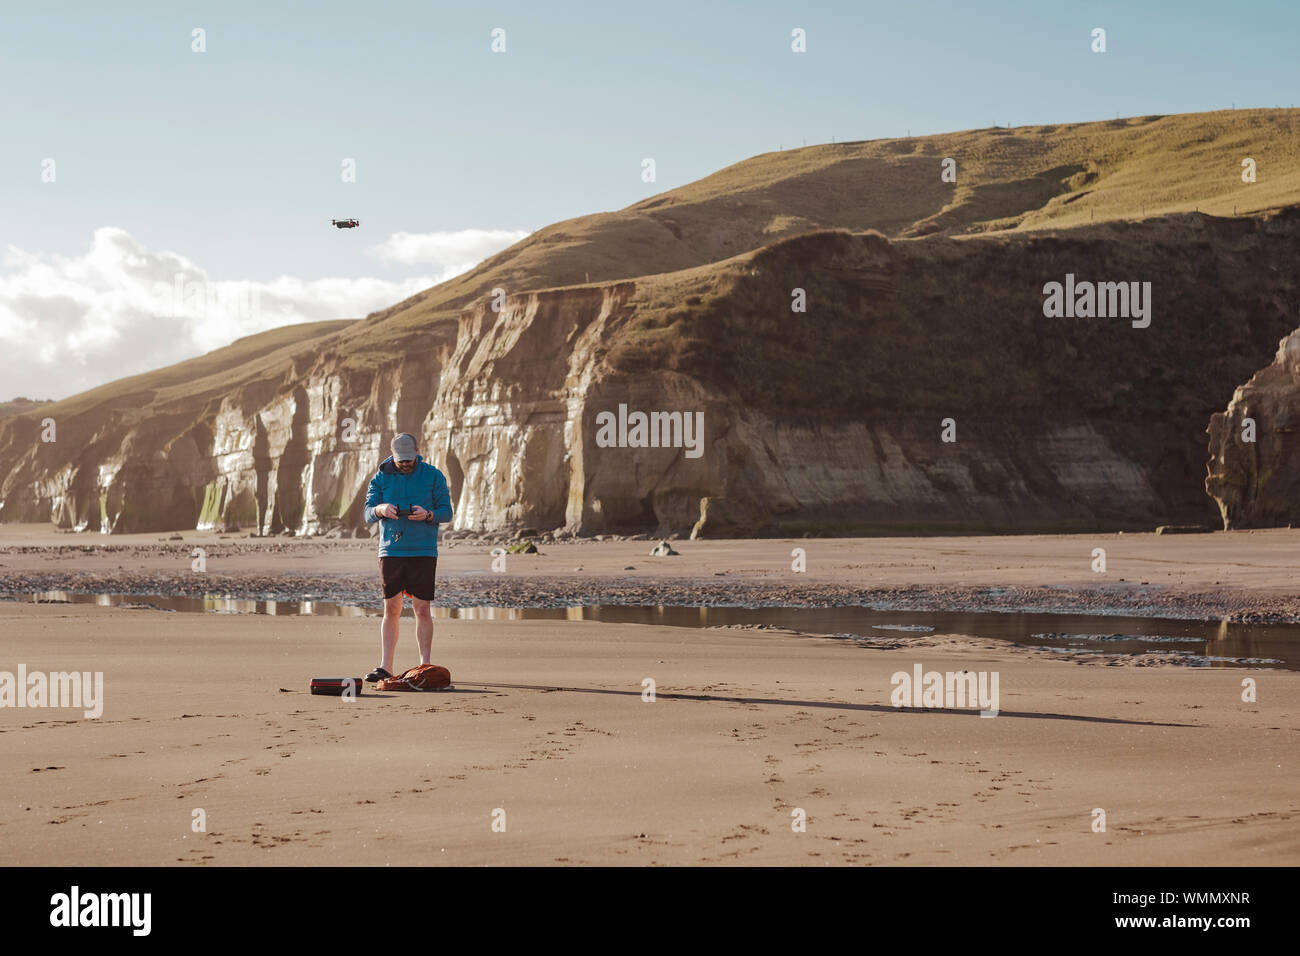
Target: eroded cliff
x=921, y=387
x=1254, y=466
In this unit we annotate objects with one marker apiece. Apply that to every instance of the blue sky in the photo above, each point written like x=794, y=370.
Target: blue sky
x=231, y=158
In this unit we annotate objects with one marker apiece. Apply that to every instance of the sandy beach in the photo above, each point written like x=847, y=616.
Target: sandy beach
x=789, y=482
x=548, y=723
x=1238, y=575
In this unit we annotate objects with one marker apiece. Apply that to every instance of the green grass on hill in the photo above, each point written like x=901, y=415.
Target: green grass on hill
x=1021, y=179
x=943, y=326
x=1010, y=183
x=241, y=360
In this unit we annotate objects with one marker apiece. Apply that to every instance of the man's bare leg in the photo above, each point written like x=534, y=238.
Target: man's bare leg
x=388, y=630
x=423, y=628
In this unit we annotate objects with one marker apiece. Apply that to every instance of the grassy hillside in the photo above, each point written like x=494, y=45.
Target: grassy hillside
x=1020, y=179
x=22, y=405
x=240, y=361
x=1010, y=183
x=942, y=326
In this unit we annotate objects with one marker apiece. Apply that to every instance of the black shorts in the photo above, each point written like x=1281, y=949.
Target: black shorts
x=414, y=575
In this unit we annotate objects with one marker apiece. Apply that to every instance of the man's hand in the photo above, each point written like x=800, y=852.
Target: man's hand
x=418, y=513
x=388, y=510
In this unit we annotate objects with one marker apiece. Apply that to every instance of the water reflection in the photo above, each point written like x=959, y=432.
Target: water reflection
x=1208, y=643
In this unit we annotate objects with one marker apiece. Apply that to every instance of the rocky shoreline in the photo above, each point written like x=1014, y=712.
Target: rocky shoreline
x=484, y=589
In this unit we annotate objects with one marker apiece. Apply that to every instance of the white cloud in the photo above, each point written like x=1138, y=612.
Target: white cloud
x=452, y=252
x=70, y=323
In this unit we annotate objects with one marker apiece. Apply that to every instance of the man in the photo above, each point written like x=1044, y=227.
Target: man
x=410, y=497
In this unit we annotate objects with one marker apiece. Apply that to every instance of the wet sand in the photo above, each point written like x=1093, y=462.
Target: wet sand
x=547, y=722
x=1235, y=576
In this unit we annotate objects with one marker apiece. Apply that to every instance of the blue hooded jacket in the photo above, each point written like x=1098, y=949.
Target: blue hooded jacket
x=426, y=486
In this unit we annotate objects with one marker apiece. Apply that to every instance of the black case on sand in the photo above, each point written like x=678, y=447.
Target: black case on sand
x=335, y=686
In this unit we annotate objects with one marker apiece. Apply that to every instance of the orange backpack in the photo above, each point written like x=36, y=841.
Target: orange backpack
x=421, y=677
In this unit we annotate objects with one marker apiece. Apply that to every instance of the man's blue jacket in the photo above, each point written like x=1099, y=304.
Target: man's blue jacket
x=426, y=486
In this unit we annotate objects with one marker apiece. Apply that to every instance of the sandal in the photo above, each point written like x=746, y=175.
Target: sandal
x=378, y=674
